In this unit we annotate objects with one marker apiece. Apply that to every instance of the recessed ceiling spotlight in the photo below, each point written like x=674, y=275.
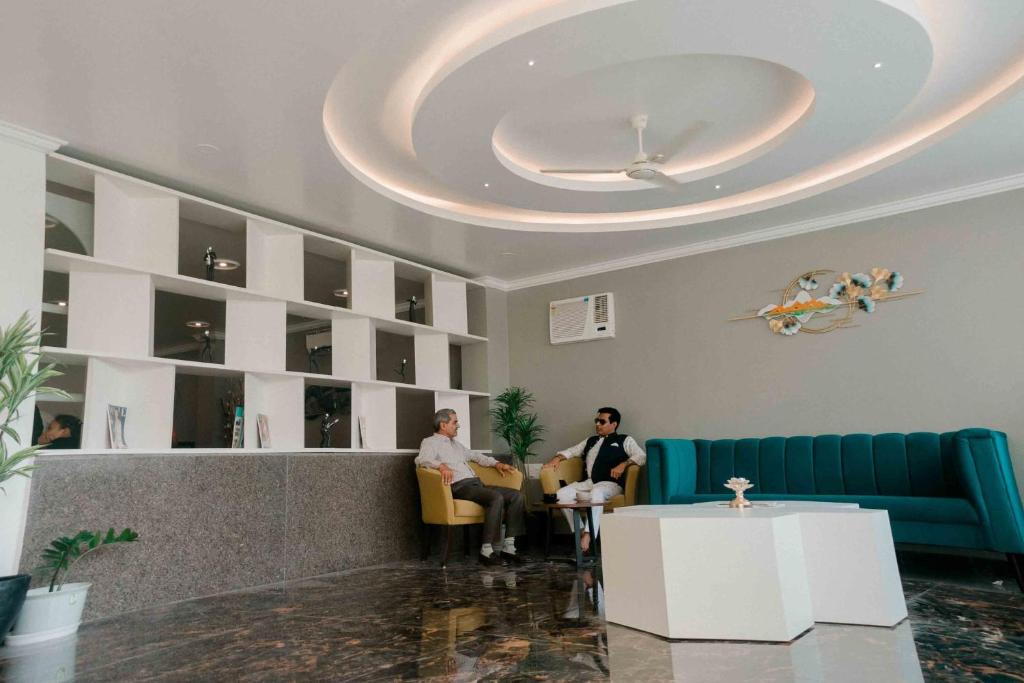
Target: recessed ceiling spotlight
x=207, y=148
x=225, y=264
x=530, y=63
x=50, y=222
x=508, y=253
x=197, y=324
x=878, y=65
x=718, y=187
x=341, y=293
x=487, y=184
x=61, y=302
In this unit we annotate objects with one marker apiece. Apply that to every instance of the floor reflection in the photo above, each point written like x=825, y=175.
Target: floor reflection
x=536, y=622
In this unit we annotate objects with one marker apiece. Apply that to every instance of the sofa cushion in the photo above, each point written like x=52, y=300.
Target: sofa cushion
x=901, y=508
x=467, y=508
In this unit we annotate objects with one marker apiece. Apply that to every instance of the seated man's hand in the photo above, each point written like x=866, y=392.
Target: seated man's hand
x=618, y=470
x=552, y=463
x=504, y=469
x=447, y=475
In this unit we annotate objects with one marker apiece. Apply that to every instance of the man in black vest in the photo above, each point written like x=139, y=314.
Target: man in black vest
x=607, y=454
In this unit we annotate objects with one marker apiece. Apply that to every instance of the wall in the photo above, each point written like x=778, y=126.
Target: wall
x=950, y=358
x=214, y=523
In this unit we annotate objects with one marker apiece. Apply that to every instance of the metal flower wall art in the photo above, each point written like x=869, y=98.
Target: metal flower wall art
x=848, y=295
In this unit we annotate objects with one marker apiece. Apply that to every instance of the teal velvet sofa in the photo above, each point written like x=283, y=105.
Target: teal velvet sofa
x=953, y=489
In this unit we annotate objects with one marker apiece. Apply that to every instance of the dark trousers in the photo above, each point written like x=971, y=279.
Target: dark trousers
x=497, y=502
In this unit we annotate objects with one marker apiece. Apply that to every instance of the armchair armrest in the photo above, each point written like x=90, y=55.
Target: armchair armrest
x=569, y=471
x=436, y=502
x=671, y=468
x=492, y=477
x=631, y=480
x=986, y=473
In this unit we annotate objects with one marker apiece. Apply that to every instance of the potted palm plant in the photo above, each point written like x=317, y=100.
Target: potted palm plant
x=55, y=610
x=514, y=423
x=20, y=378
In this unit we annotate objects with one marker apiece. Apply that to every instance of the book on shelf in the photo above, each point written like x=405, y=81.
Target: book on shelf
x=362, y=432
x=237, y=438
x=116, y=417
x=263, y=430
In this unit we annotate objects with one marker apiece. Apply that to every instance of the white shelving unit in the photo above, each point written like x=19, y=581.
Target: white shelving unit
x=111, y=317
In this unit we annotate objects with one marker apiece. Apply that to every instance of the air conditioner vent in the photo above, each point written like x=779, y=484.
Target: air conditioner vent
x=582, y=319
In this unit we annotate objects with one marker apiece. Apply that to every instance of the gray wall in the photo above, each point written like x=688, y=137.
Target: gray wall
x=214, y=523
x=950, y=358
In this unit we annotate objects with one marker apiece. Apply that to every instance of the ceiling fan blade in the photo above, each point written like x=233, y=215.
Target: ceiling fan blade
x=679, y=142
x=581, y=170
x=662, y=180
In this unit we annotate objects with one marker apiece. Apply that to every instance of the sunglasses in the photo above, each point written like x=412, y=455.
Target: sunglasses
x=600, y=421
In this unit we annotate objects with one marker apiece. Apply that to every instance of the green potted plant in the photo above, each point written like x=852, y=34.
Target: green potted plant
x=20, y=378
x=55, y=610
x=514, y=423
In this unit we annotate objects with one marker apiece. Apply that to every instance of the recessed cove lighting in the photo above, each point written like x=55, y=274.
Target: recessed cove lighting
x=508, y=253
x=225, y=264
x=878, y=65
x=341, y=293
x=197, y=324
x=207, y=148
x=530, y=63
x=50, y=222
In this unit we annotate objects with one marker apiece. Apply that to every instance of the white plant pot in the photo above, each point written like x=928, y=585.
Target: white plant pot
x=46, y=615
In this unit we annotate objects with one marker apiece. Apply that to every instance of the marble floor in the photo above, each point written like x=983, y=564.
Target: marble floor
x=540, y=621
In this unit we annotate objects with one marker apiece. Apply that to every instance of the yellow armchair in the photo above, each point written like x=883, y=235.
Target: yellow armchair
x=571, y=470
x=438, y=507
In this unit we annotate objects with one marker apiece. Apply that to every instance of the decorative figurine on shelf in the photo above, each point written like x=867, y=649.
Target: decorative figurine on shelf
x=738, y=485
x=209, y=259
x=400, y=370
x=412, y=309
x=326, y=424
x=206, y=347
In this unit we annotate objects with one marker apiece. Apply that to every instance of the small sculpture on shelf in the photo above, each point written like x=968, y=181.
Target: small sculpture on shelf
x=412, y=308
x=206, y=347
x=326, y=424
x=209, y=260
x=738, y=485
x=400, y=370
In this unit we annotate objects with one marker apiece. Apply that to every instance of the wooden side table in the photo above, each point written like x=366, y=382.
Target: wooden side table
x=578, y=510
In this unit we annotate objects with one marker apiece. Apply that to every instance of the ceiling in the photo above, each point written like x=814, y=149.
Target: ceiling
x=420, y=126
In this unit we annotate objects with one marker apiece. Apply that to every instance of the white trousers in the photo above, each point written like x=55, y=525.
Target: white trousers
x=584, y=492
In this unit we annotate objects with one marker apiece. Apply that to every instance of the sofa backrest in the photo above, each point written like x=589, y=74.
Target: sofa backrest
x=918, y=464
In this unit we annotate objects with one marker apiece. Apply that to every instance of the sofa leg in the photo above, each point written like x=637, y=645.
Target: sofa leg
x=447, y=545
x=1017, y=562
x=425, y=543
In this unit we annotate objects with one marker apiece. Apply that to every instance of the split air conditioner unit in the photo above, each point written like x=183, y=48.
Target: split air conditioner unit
x=582, y=319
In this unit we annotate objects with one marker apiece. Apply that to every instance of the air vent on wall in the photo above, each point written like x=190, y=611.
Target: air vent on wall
x=582, y=319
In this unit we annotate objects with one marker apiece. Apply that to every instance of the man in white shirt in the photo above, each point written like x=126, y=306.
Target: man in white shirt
x=607, y=453
x=442, y=452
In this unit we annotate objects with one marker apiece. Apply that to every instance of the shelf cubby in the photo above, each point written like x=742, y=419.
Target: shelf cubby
x=354, y=348
x=281, y=399
x=110, y=311
x=309, y=345
x=335, y=399
x=476, y=310
x=200, y=226
x=146, y=389
x=431, y=360
x=326, y=272
x=54, y=311
x=410, y=282
x=446, y=309
x=372, y=278
x=274, y=260
x=375, y=403
x=174, y=338
x=136, y=225
x=479, y=416
x=391, y=350
x=256, y=335
x=414, y=412
x=460, y=404
x=204, y=408
x=69, y=218
x=455, y=366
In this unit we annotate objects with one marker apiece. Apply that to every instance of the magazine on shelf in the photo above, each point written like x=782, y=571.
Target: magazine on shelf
x=237, y=440
x=263, y=430
x=362, y=432
x=116, y=416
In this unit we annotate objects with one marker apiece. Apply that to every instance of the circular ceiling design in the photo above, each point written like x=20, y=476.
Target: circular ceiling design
x=481, y=116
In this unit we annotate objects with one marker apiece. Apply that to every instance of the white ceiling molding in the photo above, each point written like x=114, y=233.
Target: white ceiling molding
x=29, y=138
x=959, y=194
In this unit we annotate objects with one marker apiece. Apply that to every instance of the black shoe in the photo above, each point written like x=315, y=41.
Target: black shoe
x=511, y=557
x=492, y=561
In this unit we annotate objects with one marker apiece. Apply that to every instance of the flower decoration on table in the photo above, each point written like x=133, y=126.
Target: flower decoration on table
x=850, y=293
x=738, y=485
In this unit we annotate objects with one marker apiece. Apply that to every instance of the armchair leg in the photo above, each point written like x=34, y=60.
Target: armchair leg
x=447, y=545
x=425, y=543
x=465, y=540
x=1017, y=562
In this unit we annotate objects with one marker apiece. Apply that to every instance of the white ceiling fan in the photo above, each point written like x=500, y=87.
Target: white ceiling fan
x=644, y=166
